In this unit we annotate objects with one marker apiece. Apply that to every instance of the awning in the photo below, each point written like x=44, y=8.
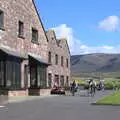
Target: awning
x=38, y=59
x=13, y=53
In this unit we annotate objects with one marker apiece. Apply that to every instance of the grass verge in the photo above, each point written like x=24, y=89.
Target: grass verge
x=111, y=99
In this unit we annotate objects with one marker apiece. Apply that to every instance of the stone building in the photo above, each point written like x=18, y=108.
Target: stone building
x=59, y=58
x=24, y=47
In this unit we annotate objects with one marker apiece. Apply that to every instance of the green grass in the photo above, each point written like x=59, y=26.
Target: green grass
x=78, y=80
x=111, y=99
x=97, y=74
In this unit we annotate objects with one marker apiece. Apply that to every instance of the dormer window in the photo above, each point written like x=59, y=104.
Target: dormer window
x=52, y=38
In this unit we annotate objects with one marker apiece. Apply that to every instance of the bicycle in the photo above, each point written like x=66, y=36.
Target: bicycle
x=91, y=91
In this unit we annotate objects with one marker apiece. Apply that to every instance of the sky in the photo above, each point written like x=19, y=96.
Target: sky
x=90, y=26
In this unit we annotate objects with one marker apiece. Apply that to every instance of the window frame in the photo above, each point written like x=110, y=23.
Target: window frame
x=35, y=31
x=20, y=29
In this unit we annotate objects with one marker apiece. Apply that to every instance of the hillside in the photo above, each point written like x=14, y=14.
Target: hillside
x=97, y=62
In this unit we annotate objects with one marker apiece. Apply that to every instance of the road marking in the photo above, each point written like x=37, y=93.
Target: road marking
x=2, y=106
x=3, y=109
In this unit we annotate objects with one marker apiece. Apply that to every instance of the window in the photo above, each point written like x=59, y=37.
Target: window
x=38, y=74
x=1, y=19
x=61, y=60
x=33, y=76
x=13, y=73
x=21, y=29
x=49, y=80
x=10, y=72
x=56, y=79
x=42, y=77
x=56, y=59
x=52, y=38
x=49, y=57
x=67, y=62
x=67, y=81
x=34, y=35
x=2, y=73
x=62, y=81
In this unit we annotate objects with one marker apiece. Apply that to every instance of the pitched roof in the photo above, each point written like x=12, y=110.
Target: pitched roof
x=39, y=18
x=14, y=53
x=64, y=39
x=38, y=58
x=58, y=41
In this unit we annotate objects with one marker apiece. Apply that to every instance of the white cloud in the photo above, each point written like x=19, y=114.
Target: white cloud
x=110, y=23
x=63, y=31
x=76, y=46
x=100, y=49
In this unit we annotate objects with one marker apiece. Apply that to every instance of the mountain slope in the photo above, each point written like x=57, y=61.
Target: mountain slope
x=97, y=62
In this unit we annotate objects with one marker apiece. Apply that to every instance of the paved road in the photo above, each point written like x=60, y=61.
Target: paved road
x=60, y=108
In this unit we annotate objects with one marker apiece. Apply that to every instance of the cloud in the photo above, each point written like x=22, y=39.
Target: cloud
x=100, y=49
x=76, y=46
x=110, y=23
x=64, y=31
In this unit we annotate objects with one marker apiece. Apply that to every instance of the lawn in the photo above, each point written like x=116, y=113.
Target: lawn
x=111, y=99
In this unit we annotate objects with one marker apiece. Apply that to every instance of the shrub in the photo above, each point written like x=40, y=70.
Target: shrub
x=108, y=86
x=84, y=85
x=66, y=88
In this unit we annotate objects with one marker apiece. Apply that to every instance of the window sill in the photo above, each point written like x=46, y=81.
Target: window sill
x=20, y=36
x=2, y=28
x=35, y=42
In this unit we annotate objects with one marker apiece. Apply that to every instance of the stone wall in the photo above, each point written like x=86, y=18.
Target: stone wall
x=22, y=10
x=45, y=92
x=25, y=11
x=18, y=93
x=37, y=92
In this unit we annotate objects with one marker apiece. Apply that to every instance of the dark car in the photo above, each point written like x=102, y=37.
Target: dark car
x=57, y=91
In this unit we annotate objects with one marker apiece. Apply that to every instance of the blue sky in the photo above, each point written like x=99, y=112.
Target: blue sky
x=89, y=25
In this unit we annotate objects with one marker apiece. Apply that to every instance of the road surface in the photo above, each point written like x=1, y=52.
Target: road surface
x=60, y=108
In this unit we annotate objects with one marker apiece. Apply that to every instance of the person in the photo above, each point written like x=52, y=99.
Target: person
x=102, y=84
x=92, y=86
x=90, y=82
x=73, y=87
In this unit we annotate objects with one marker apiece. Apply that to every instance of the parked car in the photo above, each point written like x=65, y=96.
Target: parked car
x=57, y=91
